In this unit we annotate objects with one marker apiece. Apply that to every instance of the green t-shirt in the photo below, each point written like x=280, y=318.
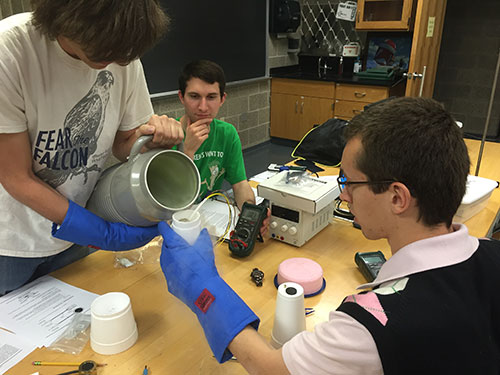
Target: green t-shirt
x=220, y=158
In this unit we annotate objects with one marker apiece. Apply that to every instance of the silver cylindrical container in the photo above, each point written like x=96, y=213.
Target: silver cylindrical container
x=147, y=188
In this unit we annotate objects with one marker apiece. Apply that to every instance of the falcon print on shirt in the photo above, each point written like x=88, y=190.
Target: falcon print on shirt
x=66, y=152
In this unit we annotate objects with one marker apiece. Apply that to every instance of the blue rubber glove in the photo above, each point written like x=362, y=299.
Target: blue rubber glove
x=84, y=228
x=193, y=278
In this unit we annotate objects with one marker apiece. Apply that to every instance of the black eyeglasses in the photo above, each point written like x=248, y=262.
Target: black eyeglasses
x=342, y=182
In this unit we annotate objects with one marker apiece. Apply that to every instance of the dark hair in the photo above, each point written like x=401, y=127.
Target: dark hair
x=205, y=70
x=106, y=30
x=414, y=141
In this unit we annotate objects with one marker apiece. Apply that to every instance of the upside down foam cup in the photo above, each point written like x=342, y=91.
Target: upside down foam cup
x=112, y=328
x=289, y=317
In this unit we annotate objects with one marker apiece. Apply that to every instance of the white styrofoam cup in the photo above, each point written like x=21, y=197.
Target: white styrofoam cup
x=112, y=327
x=186, y=226
x=289, y=317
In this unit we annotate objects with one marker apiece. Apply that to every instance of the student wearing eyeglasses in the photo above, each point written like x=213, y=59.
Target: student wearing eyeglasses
x=433, y=308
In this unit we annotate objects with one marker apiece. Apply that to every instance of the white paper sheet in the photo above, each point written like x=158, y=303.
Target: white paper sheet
x=41, y=310
x=12, y=350
x=263, y=176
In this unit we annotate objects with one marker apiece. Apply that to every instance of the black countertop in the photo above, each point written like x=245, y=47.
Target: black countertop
x=295, y=72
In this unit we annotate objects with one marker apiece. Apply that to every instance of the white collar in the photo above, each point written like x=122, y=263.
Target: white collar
x=430, y=253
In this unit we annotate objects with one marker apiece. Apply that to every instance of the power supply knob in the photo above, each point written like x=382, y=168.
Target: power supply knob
x=284, y=228
x=292, y=231
x=273, y=224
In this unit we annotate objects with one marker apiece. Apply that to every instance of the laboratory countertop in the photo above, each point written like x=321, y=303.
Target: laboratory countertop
x=297, y=72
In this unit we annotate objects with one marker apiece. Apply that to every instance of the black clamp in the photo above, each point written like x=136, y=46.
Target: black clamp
x=257, y=276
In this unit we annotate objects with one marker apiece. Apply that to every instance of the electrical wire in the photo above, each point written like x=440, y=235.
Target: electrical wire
x=230, y=213
x=232, y=218
x=341, y=213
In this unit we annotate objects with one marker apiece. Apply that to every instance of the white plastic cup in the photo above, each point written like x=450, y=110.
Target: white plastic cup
x=289, y=317
x=112, y=324
x=186, y=226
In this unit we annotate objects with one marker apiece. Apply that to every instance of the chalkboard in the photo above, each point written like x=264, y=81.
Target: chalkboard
x=232, y=33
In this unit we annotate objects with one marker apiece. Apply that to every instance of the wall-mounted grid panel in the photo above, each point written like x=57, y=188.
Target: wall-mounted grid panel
x=321, y=30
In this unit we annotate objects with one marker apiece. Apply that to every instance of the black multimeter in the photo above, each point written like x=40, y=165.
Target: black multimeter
x=369, y=263
x=247, y=229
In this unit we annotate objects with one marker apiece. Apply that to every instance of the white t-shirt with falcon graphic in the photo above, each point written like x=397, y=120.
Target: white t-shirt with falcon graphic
x=72, y=114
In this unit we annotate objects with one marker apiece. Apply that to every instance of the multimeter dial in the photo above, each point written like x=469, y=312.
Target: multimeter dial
x=243, y=232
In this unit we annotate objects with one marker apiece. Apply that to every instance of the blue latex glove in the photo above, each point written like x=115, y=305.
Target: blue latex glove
x=193, y=278
x=84, y=228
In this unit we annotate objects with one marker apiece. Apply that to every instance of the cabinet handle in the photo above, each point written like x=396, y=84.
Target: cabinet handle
x=358, y=17
x=422, y=82
x=357, y=111
x=358, y=94
x=302, y=107
x=296, y=106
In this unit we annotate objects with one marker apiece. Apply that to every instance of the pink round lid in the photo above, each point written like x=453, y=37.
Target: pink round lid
x=303, y=271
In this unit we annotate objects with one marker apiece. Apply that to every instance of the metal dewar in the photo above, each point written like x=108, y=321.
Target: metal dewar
x=147, y=188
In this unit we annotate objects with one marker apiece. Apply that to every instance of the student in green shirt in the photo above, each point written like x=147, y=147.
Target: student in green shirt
x=214, y=145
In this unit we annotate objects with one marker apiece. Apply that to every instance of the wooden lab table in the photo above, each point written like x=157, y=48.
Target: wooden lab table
x=483, y=223
x=170, y=339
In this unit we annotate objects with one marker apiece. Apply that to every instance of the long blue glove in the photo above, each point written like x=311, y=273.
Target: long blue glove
x=193, y=278
x=84, y=228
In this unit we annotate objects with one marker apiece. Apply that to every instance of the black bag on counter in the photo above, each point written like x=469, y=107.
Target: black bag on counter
x=323, y=144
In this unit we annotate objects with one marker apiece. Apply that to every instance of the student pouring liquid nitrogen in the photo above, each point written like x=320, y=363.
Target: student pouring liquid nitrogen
x=72, y=89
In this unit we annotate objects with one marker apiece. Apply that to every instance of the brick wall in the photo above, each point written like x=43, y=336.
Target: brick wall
x=467, y=62
x=246, y=107
x=278, y=52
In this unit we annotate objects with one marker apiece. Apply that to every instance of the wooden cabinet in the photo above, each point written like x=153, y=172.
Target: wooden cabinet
x=426, y=19
x=296, y=106
x=350, y=100
x=385, y=15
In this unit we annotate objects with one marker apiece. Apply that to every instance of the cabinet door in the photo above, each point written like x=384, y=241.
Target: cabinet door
x=425, y=48
x=313, y=111
x=296, y=106
x=385, y=15
x=292, y=116
x=285, y=120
